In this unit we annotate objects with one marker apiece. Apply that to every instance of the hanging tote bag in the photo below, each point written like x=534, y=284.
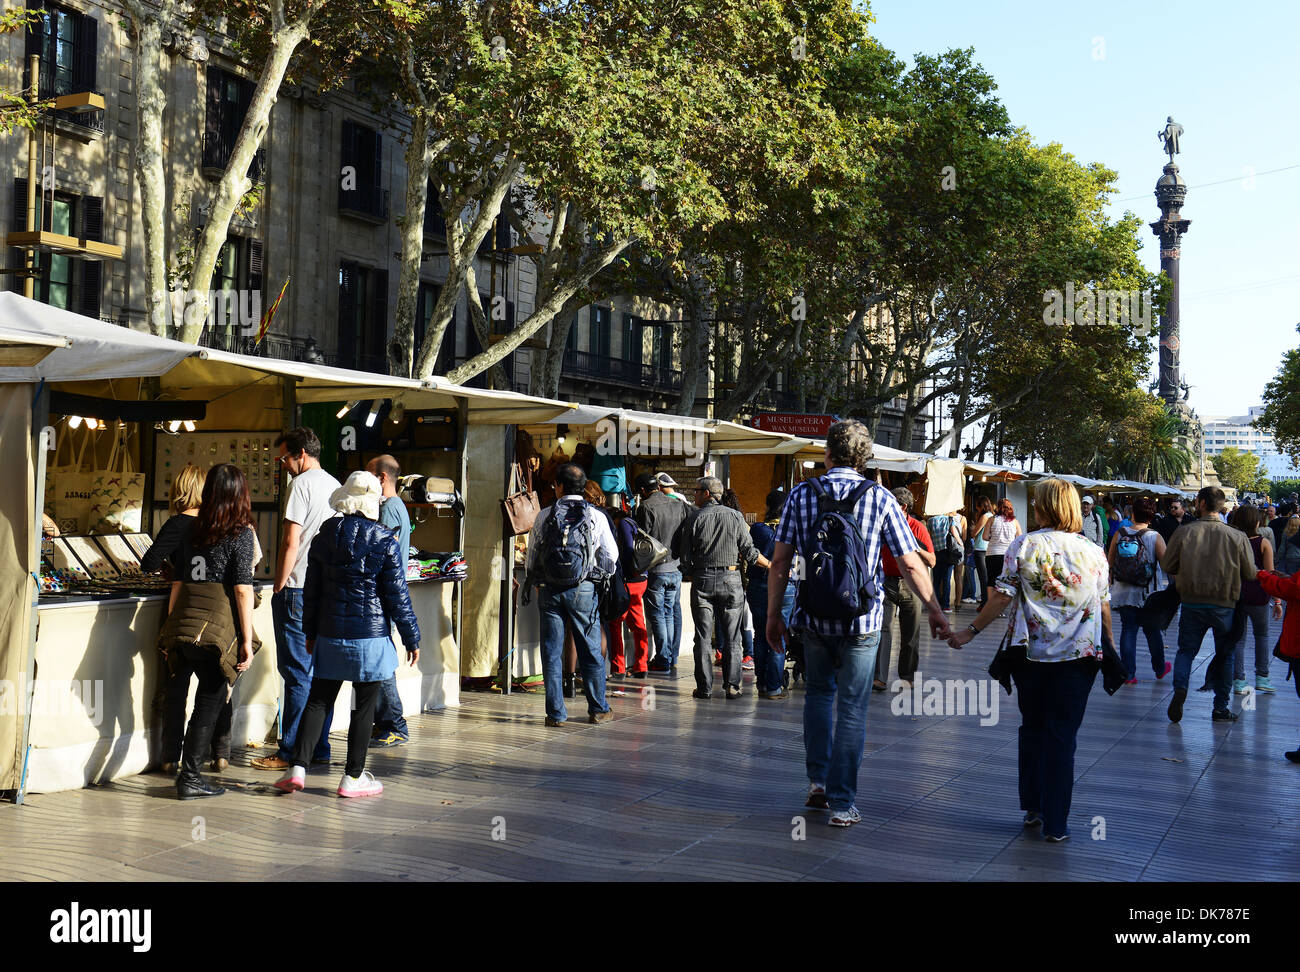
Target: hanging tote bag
x=117, y=492
x=520, y=508
x=67, y=485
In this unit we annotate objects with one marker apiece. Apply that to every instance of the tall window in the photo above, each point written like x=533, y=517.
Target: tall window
x=66, y=43
x=363, y=317
x=631, y=334
x=229, y=97
x=71, y=283
x=599, y=331
x=661, y=349
x=239, y=272
x=361, y=191
x=435, y=224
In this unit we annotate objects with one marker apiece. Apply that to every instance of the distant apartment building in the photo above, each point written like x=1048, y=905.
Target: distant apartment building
x=1236, y=431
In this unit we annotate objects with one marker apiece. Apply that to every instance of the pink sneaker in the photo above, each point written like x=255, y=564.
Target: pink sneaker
x=1169, y=667
x=364, y=785
x=295, y=779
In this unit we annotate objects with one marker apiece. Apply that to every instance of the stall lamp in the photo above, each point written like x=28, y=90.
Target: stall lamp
x=808, y=464
x=374, y=413
x=346, y=408
x=564, y=431
x=174, y=425
x=92, y=423
x=74, y=421
x=189, y=426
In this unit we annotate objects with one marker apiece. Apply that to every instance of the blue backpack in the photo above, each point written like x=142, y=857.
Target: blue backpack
x=838, y=582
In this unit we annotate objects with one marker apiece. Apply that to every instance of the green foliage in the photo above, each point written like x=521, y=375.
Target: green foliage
x=15, y=111
x=1244, y=471
x=1281, y=415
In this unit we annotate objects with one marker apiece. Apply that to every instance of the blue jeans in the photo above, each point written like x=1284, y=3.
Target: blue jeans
x=942, y=575
x=663, y=613
x=1193, y=621
x=1052, y=698
x=769, y=665
x=295, y=667
x=388, y=710
x=834, y=755
x=579, y=607
x=1132, y=620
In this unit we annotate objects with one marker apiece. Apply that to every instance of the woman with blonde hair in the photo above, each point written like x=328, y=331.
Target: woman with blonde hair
x=1059, y=586
x=999, y=530
x=1288, y=547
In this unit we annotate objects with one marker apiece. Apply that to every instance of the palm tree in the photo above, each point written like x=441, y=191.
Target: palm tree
x=1164, y=458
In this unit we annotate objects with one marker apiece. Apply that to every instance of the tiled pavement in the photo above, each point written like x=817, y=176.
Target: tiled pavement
x=690, y=790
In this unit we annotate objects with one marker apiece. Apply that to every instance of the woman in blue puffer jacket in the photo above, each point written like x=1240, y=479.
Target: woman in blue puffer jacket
x=355, y=591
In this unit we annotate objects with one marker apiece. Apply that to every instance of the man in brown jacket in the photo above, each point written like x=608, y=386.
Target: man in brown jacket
x=1209, y=560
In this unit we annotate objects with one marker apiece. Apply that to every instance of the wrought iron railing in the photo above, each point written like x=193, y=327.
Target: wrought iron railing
x=216, y=157
x=603, y=367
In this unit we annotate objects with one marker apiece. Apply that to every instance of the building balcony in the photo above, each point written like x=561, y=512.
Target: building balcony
x=216, y=158
x=368, y=203
x=619, y=371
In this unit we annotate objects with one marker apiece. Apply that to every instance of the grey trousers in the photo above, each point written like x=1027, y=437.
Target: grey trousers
x=900, y=600
x=1257, y=618
x=717, y=598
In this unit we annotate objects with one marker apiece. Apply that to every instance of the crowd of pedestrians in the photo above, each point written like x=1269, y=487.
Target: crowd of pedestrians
x=822, y=574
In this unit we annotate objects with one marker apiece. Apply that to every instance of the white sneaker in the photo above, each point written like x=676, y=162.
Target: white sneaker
x=293, y=780
x=845, y=818
x=364, y=785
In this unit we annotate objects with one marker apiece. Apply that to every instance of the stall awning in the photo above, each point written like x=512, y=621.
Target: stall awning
x=93, y=350
x=19, y=349
x=985, y=472
x=724, y=437
x=1115, y=485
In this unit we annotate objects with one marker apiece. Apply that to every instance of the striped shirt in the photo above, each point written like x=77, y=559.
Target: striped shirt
x=883, y=522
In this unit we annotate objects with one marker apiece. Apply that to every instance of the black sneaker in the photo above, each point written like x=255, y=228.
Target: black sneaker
x=1294, y=755
x=700, y=694
x=1224, y=715
x=817, y=797
x=637, y=674
x=615, y=677
x=1176, y=705
x=1033, y=819
x=733, y=692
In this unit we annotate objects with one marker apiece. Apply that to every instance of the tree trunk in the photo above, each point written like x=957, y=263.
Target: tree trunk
x=234, y=182
x=401, y=352
x=696, y=337
x=482, y=328
x=150, y=101
x=548, y=364
x=547, y=308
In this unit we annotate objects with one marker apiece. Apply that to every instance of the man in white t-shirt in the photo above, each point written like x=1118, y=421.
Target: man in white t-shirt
x=307, y=508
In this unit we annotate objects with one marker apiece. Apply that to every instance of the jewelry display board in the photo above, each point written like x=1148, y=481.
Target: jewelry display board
x=140, y=543
x=84, y=551
x=253, y=452
x=119, y=551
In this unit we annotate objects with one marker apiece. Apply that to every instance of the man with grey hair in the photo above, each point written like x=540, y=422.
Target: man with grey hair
x=713, y=542
x=900, y=600
x=839, y=653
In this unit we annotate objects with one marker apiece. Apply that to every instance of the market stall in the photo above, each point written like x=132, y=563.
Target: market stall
x=155, y=405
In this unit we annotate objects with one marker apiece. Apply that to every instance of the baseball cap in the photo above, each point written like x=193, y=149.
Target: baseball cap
x=665, y=479
x=1088, y=499
x=647, y=481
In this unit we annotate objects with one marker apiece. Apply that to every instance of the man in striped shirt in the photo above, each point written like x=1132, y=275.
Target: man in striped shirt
x=841, y=655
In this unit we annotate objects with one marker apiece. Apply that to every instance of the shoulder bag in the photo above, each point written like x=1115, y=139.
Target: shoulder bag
x=520, y=508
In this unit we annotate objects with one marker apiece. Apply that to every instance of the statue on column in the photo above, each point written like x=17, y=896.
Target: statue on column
x=1169, y=136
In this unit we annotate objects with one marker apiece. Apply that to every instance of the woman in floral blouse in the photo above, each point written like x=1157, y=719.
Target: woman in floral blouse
x=1058, y=584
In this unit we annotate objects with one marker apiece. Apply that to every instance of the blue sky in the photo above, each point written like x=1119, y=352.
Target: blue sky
x=1100, y=78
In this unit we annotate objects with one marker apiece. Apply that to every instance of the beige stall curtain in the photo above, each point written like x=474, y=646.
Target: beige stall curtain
x=484, y=488
x=945, y=486
x=17, y=516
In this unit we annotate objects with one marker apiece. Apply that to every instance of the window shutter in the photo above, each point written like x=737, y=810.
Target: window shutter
x=255, y=265
x=19, y=222
x=87, y=52
x=212, y=122
x=35, y=45
x=376, y=337
x=92, y=274
x=92, y=218
x=434, y=223
x=347, y=343
x=379, y=161
x=503, y=231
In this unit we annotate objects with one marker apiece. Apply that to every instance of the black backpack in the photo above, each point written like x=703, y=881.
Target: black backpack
x=568, y=554
x=838, y=582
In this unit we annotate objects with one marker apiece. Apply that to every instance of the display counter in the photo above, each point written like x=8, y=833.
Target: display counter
x=98, y=668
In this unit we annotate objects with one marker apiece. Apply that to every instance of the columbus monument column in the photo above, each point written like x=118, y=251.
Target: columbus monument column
x=1171, y=191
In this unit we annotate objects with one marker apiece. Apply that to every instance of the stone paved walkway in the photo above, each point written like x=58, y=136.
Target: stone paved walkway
x=691, y=790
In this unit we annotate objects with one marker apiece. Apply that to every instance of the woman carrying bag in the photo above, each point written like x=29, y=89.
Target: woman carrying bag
x=209, y=632
x=1057, y=582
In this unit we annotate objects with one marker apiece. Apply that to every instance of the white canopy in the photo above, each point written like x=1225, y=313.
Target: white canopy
x=84, y=349
x=724, y=437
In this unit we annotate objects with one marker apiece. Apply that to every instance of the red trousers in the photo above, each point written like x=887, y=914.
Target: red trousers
x=634, y=616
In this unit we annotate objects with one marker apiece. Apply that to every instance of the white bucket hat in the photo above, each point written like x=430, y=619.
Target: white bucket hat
x=360, y=494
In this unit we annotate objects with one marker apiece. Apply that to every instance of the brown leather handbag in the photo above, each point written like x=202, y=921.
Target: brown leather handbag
x=520, y=508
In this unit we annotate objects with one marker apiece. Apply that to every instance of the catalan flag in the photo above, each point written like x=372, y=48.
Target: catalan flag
x=270, y=313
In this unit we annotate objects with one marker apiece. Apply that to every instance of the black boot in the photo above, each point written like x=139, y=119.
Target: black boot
x=190, y=785
x=568, y=686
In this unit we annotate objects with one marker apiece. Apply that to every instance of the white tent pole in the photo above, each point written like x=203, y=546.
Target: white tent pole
x=40, y=418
